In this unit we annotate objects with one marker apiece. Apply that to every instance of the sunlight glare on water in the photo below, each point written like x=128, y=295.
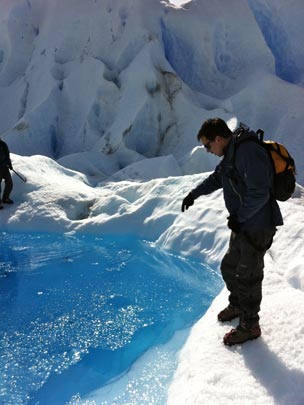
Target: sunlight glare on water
x=77, y=311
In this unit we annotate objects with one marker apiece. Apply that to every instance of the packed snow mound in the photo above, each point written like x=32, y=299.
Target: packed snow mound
x=58, y=199
x=139, y=77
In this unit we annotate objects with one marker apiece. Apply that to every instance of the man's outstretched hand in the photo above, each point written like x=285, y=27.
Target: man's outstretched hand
x=187, y=202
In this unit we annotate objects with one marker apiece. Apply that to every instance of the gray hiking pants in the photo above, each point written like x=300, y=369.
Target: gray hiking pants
x=242, y=270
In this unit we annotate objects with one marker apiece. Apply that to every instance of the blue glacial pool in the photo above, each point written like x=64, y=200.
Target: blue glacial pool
x=89, y=319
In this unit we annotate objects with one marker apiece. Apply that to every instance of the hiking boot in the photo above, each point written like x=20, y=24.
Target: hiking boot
x=7, y=201
x=241, y=335
x=229, y=313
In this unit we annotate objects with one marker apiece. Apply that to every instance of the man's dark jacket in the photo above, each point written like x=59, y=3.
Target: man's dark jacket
x=5, y=160
x=246, y=175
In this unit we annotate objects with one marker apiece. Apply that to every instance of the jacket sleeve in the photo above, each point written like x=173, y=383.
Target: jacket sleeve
x=254, y=166
x=210, y=184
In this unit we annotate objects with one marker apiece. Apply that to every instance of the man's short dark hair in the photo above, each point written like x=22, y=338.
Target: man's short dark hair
x=214, y=127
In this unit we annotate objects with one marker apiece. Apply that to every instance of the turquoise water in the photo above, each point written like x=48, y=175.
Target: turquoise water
x=78, y=311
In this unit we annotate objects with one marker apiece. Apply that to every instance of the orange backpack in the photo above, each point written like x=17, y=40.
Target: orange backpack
x=284, y=169
x=284, y=179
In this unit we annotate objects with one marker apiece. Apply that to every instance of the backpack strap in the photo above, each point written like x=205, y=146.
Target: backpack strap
x=260, y=134
x=242, y=135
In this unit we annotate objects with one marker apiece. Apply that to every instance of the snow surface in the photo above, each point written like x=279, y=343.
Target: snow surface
x=100, y=106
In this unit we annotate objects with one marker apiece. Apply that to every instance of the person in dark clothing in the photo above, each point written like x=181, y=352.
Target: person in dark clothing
x=5, y=167
x=245, y=174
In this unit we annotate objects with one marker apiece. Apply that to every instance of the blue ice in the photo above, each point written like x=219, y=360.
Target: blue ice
x=79, y=311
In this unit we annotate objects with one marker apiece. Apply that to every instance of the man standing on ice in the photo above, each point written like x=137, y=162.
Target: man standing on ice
x=245, y=174
x=5, y=166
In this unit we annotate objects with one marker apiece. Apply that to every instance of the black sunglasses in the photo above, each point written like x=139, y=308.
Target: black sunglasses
x=207, y=145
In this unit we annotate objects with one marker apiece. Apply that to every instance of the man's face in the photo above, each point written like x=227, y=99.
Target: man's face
x=216, y=147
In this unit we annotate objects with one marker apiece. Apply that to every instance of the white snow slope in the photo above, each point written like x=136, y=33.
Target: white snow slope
x=117, y=91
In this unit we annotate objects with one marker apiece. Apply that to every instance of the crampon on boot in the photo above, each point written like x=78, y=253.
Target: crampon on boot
x=241, y=335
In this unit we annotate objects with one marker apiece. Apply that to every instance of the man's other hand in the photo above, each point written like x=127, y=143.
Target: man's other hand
x=233, y=224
